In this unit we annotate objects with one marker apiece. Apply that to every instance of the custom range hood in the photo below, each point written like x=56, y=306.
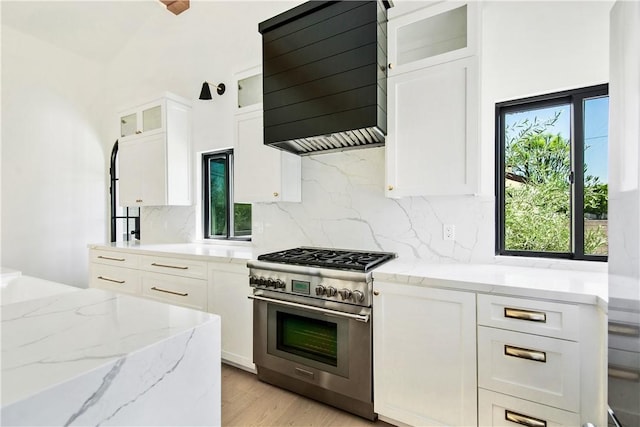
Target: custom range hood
x=324, y=76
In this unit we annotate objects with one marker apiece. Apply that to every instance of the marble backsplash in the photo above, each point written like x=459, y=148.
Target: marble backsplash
x=344, y=206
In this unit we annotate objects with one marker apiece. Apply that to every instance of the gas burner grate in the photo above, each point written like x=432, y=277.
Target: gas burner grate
x=341, y=259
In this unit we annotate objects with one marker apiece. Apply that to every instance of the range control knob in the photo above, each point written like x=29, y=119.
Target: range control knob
x=271, y=283
x=280, y=284
x=320, y=290
x=358, y=296
x=253, y=280
x=262, y=281
x=331, y=291
x=345, y=293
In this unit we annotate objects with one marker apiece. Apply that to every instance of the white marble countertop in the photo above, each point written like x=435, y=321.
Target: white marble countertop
x=557, y=284
x=208, y=252
x=50, y=340
x=16, y=288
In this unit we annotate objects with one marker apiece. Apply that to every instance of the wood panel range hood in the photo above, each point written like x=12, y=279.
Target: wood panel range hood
x=324, y=76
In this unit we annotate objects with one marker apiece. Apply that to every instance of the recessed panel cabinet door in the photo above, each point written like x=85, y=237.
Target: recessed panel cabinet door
x=424, y=352
x=143, y=176
x=262, y=173
x=431, y=146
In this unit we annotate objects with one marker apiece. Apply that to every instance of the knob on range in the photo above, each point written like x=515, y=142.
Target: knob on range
x=320, y=290
x=345, y=293
x=331, y=291
x=280, y=284
x=358, y=296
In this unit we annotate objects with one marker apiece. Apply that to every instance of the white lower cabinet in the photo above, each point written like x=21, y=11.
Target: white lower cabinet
x=228, y=297
x=424, y=355
x=496, y=409
x=117, y=279
x=177, y=290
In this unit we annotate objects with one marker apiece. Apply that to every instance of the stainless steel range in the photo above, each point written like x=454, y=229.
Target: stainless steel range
x=312, y=323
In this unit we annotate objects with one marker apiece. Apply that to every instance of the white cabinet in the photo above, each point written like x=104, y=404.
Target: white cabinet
x=424, y=355
x=433, y=101
x=432, y=141
x=544, y=352
x=262, y=173
x=228, y=297
x=154, y=161
x=431, y=35
x=175, y=281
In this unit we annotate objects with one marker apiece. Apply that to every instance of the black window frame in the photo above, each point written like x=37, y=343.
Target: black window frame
x=574, y=97
x=128, y=211
x=227, y=156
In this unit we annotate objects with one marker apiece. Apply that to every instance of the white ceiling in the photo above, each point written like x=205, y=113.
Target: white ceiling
x=93, y=29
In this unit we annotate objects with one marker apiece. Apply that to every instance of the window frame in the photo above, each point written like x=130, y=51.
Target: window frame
x=227, y=155
x=575, y=98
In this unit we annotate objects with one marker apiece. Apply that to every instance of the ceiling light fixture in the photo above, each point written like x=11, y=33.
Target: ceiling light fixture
x=205, y=93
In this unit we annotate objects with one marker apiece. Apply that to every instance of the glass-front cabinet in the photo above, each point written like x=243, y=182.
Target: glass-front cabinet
x=248, y=89
x=147, y=119
x=430, y=36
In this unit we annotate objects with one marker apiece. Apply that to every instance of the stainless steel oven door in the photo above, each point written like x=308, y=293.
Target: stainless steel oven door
x=319, y=346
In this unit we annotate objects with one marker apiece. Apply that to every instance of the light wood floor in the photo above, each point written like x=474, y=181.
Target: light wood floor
x=249, y=402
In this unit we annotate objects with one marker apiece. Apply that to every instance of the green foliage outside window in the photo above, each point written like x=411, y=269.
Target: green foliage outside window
x=537, y=191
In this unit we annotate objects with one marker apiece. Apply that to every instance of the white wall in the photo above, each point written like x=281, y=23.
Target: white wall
x=53, y=159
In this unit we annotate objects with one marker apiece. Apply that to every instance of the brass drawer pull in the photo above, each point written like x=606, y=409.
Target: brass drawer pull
x=111, y=258
x=180, y=294
x=111, y=280
x=533, y=316
x=155, y=264
x=523, y=353
x=624, y=329
x=620, y=373
x=524, y=420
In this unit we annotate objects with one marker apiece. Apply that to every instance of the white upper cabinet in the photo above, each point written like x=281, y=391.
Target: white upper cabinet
x=433, y=103
x=154, y=155
x=261, y=173
x=432, y=35
x=432, y=141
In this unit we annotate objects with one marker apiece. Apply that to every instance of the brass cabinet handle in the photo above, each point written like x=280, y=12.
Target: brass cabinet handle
x=179, y=267
x=138, y=200
x=390, y=188
x=532, y=316
x=624, y=330
x=111, y=258
x=376, y=293
x=523, y=353
x=138, y=132
x=524, y=420
x=275, y=194
x=620, y=373
x=180, y=294
x=390, y=65
x=111, y=280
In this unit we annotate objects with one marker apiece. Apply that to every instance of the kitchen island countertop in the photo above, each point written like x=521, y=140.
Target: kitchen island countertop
x=92, y=357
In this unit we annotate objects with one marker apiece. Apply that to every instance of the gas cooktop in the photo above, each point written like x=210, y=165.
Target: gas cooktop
x=340, y=259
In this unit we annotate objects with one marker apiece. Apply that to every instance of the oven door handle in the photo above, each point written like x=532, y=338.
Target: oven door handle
x=359, y=317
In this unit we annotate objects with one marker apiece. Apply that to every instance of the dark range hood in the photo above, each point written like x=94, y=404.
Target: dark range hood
x=324, y=76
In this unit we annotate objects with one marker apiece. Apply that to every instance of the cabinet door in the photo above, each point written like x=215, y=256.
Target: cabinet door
x=424, y=355
x=228, y=292
x=142, y=168
x=432, y=35
x=262, y=173
x=431, y=147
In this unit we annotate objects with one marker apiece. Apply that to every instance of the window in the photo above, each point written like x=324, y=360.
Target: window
x=223, y=219
x=551, y=181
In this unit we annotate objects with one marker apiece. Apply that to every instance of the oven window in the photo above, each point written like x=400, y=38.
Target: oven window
x=309, y=338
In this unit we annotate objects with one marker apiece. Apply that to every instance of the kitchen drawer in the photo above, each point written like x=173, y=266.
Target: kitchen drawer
x=624, y=330
x=183, y=291
x=175, y=266
x=115, y=258
x=549, y=319
x=116, y=279
x=496, y=409
x=505, y=365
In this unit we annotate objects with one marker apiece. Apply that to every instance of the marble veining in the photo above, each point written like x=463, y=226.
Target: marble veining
x=94, y=357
